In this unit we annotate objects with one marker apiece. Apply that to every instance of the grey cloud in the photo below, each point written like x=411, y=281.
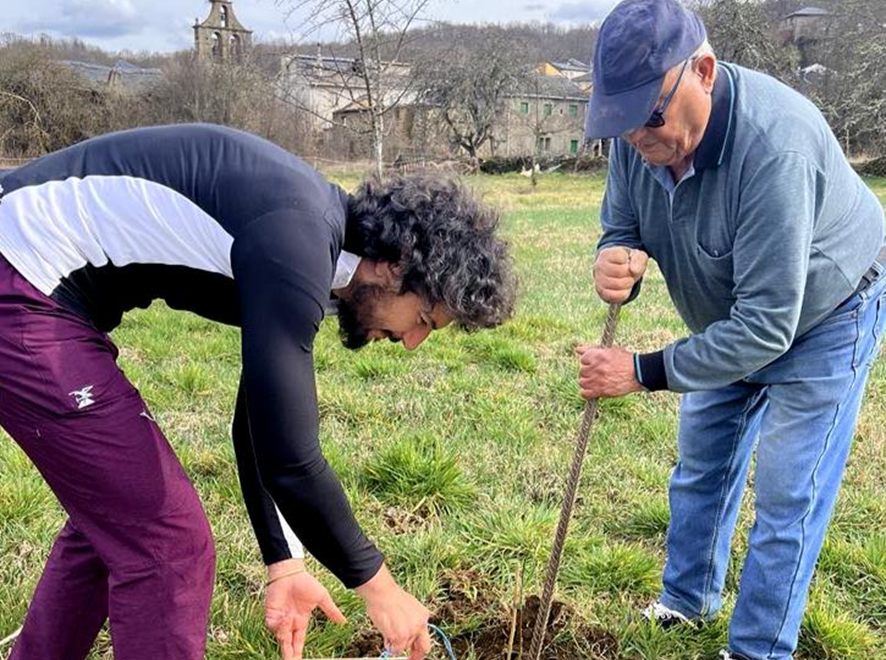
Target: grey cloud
x=533, y=7
x=90, y=18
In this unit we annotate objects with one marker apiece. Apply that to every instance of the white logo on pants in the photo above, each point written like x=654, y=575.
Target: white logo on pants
x=83, y=397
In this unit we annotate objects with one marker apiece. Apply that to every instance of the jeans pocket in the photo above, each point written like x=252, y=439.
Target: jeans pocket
x=848, y=309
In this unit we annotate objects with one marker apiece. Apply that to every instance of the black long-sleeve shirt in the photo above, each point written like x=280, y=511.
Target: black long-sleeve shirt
x=228, y=226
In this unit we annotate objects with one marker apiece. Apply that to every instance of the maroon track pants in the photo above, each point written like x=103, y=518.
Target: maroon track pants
x=137, y=549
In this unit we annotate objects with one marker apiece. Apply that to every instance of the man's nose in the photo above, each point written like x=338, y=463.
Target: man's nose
x=414, y=338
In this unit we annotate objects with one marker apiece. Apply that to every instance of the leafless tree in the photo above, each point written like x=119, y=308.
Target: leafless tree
x=851, y=86
x=238, y=94
x=44, y=105
x=838, y=59
x=743, y=32
x=379, y=30
x=471, y=87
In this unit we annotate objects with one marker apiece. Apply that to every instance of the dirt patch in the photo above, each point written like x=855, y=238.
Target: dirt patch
x=367, y=644
x=562, y=640
x=465, y=601
x=402, y=521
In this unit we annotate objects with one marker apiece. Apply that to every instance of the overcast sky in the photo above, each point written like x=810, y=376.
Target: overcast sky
x=164, y=25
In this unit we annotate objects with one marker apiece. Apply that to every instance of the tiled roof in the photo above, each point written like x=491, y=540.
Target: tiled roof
x=132, y=78
x=538, y=85
x=809, y=11
x=571, y=65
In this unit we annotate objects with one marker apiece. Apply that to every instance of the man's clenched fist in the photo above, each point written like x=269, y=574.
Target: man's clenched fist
x=616, y=270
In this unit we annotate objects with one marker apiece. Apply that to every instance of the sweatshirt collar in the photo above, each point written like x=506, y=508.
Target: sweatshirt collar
x=718, y=136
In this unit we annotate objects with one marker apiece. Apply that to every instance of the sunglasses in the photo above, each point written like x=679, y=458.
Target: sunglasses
x=656, y=119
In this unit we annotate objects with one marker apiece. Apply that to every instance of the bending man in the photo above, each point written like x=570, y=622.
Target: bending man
x=233, y=228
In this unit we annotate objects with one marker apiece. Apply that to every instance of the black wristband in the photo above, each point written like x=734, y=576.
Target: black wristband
x=650, y=368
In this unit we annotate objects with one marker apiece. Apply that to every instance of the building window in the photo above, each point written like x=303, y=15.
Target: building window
x=543, y=144
x=224, y=16
x=216, y=45
x=524, y=107
x=235, y=47
x=573, y=110
x=549, y=109
x=573, y=146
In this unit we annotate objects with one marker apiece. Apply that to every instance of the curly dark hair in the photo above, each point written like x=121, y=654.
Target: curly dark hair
x=443, y=238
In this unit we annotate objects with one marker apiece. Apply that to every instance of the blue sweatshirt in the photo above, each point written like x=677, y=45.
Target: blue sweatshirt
x=768, y=232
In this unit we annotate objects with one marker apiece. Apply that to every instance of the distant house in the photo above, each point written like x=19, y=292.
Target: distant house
x=412, y=130
x=122, y=77
x=570, y=69
x=546, y=116
x=805, y=24
x=323, y=85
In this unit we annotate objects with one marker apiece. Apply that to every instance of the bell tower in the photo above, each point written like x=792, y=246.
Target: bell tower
x=221, y=37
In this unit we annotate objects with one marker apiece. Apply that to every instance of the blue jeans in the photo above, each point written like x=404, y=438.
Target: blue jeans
x=800, y=413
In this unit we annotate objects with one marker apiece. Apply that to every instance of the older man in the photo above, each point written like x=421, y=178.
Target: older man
x=231, y=227
x=772, y=251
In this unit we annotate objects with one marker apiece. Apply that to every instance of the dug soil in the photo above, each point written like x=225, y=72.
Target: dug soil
x=566, y=636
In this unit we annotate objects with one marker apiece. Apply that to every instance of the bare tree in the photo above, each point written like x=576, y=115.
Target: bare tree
x=743, y=32
x=44, y=105
x=378, y=29
x=850, y=55
x=238, y=94
x=471, y=87
x=842, y=52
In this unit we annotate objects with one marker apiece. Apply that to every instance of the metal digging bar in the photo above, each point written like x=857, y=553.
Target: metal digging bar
x=547, y=598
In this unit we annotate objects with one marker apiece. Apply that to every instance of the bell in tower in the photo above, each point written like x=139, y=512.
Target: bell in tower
x=221, y=37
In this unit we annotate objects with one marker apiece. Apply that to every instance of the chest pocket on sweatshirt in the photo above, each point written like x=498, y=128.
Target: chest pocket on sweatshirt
x=716, y=271
x=714, y=237
x=713, y=254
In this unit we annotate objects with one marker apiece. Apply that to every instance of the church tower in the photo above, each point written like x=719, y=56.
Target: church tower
x=221, y=37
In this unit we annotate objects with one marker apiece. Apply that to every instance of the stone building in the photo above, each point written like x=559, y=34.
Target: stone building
x=546, y=116
x=809, y=23
x=331, y=92
x=411, y=131
x=221, y=37
x=809, y=29
x=323, y=85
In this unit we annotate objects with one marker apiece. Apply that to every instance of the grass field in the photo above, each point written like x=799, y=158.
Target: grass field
x=454, y=458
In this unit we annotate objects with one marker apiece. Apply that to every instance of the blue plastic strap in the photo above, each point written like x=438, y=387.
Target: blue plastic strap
x=444, y=640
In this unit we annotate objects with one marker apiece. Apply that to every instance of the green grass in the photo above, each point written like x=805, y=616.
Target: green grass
x=418, y=474
x=455, y=456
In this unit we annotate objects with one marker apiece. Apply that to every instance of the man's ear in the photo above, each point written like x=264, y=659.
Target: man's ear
x=706, y=69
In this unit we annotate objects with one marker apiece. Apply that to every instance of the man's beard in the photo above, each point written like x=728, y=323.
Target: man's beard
x=357, y=315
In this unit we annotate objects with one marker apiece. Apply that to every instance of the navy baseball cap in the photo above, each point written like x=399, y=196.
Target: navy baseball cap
x=639, y=42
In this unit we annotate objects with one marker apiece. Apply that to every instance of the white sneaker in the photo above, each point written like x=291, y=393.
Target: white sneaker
x=725, y=654
x=665, y=617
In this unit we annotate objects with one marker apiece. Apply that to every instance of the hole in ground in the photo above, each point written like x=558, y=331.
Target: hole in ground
x=566, y=636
